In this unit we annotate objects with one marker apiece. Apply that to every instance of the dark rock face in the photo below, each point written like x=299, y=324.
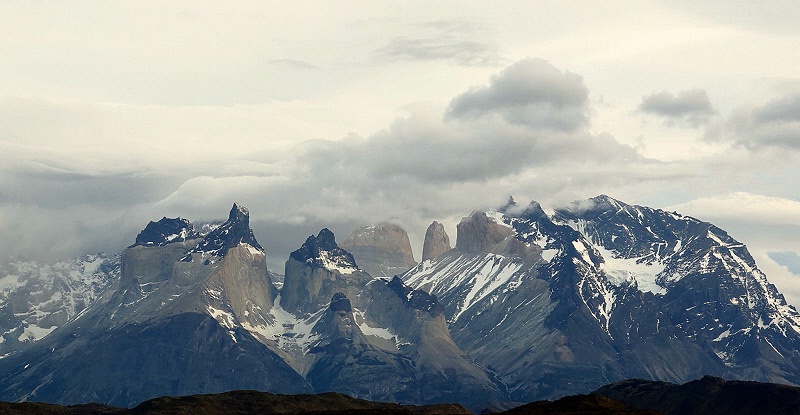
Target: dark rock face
x=416, y=299
x=419, y=363
x=381, y=250
x=122, y=368
x=236, y=230
x=709, y=395
x=340, y=302
x=166, y=231
x=436, y=241
x=322, y=251
x=317, y=271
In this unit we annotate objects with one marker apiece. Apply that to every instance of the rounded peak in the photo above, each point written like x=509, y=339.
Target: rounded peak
x=326, y=240
x=340, y=302
x=436, y=241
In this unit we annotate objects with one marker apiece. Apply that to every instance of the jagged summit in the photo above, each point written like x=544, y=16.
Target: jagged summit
x=321, y=251
x=166, y=231
x=236, y=230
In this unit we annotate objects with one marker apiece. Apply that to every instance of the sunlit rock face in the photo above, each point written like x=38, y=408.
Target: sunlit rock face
x=381, y=250
x=436, y=241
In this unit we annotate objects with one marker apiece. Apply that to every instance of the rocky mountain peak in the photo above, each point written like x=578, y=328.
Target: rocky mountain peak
x=383, y=249
x=321, y=251
x=240, y=214
x=236, y=230
x=488, y=232
x=436, y=241
x=340, y=302
x=166, y=231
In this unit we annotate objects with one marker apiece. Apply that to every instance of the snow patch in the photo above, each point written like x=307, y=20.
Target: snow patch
x=34, y=333
x=223, y=317
x=368, y=330
x=334, y=263
x=624, y=270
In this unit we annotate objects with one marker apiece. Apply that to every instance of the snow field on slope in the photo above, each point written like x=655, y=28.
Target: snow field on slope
x=622, y=270
x=482, y=273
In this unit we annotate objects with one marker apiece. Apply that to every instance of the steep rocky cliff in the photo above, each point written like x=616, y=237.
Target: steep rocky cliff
x=381, y=250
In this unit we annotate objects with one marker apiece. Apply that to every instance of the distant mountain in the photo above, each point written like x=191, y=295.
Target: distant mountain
x=528, y=305
x=172, y=324
x=36, y=298
x=602, y=291
x=197, y=312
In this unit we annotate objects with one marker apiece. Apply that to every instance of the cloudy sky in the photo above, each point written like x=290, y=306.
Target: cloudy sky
x=317, y=114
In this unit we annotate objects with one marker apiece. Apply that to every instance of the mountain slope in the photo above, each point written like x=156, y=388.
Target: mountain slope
x=37, y=298
x=171, y=325
x=562, y=304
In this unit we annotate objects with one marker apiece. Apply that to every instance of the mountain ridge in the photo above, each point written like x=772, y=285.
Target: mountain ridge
x=527, y=305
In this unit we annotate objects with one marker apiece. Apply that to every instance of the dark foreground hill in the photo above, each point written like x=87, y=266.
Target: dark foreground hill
x=239, y=403
x=709, y=396
x=579, y=405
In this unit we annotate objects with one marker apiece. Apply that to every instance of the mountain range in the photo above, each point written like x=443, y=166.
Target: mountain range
x=527, y=305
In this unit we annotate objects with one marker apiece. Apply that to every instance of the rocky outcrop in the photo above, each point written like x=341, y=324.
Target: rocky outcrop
x=381, y=250
x=396, y=348
x=318, y=270
x=235, y=231
x=436, y=241
x=479, y=233
x=166, y=231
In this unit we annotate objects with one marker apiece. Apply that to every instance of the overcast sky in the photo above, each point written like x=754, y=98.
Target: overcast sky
x=338, y=114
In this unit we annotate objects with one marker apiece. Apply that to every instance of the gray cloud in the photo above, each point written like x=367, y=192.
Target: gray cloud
x=690, y=107
x=422, y=167
x=775, y=124
x=531, y=92
x=455, y=41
